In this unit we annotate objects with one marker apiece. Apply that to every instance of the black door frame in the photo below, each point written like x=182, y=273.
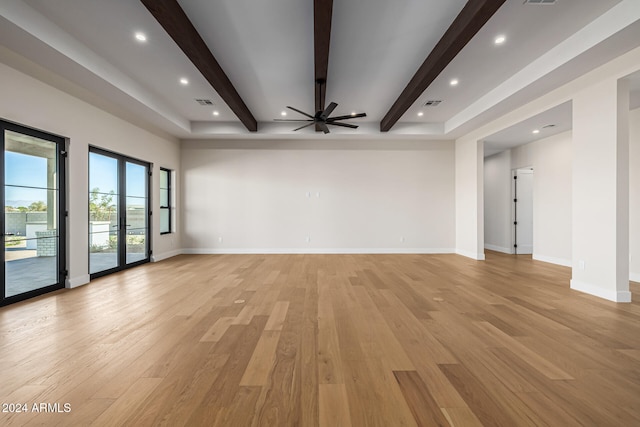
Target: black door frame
x=62, y=149
x=122, y=214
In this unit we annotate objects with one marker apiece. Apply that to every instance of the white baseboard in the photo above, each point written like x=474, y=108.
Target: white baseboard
x=469, y=254
x=74, y=282
x=498, y=248
x=166, y=255
x=634, y=277
x=611, y=295
x=553, y=260
x=231, y=251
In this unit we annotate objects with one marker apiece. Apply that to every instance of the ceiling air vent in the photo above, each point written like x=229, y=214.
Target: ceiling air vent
x=204, y=102
x=432, y=103
x=539, y=1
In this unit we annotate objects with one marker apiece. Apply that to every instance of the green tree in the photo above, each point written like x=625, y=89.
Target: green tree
x=38, y=206
x=101, y=205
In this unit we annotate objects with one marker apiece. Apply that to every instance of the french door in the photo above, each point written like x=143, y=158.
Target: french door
x=32, y=194
x=119, y=212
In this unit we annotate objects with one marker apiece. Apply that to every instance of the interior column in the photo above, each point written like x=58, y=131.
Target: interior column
x=600, y=235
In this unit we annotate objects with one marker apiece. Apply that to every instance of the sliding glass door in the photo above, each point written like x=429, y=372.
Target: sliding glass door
x=33, y=260
x=118, y=212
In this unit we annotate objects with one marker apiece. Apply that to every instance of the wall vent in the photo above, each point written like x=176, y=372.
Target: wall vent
x=205, y=102
x=539, y=1
x=432, y=103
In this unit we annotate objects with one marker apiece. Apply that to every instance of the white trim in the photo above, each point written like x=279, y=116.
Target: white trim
x=74, y=282
x=615, y=296
x=497, y=248
x=472, y=255
x=213, y=251
x=634, y=277
x=552, y=260
x=166, y=255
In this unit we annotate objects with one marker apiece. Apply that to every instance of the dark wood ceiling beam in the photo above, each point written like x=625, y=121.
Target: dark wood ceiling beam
x=322, y=12
x=175, y=22
x=469, y=21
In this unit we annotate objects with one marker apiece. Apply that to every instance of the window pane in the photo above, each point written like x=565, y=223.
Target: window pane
x=164, y=178
x=136, y=180
x=164, y=198
x=103, y=174
x=165, y=226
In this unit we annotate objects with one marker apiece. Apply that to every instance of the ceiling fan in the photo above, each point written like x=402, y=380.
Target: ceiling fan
x=322, y=119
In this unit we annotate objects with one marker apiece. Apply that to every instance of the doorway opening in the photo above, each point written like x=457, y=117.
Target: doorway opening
x=119, y=212
x=32, y=193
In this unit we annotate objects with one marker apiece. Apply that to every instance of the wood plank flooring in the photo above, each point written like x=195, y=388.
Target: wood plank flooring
x=324, y=340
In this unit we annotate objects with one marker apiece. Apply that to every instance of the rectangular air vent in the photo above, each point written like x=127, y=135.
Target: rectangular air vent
x=204, y=102
x=539, y=1
x=432, y=103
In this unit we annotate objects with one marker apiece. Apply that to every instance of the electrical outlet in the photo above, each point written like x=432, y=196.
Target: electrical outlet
x=220, y=239
x=581, y=264
x=402, y=239
x=308, y=194
x=318, y=194
x=307, y=239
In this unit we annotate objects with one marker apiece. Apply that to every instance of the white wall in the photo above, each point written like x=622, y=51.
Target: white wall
x=497, y=202
x=469, y=198
x=634, y=194
x=365, y=196
x=32, y=103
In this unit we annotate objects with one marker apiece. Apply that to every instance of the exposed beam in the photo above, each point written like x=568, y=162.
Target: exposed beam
x=473, y=16
x=322, y=11
x=175, y=22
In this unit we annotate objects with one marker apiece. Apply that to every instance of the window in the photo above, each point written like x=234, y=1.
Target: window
x=165, y=201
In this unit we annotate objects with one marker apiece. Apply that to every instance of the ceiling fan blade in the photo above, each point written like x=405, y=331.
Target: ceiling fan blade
x=323, y=127
x=327, y=111
x=350, y=116
x=344, y=125
x=301, y=112
x=304, y=126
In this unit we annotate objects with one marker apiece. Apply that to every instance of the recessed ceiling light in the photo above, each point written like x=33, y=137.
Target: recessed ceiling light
x=141, y=37
x=535, y=131
x=500, y=39
x=215, y=113
x=284, y=113
x=184, y=81
x=420, y=114
x=454, y=82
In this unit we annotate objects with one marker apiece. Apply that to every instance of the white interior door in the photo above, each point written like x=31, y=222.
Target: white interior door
x=523, y=211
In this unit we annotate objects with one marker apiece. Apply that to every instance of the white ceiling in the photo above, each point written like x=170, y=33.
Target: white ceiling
x=266, y=49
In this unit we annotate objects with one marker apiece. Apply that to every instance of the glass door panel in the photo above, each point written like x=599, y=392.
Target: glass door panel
x=118, y=211
x=104, y=215
x=31, y=214
x=137, y=178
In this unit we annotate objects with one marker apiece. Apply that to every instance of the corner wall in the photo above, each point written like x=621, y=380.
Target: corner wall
x=634, y=195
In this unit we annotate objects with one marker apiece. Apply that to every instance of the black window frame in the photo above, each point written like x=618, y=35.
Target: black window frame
x=169, y=205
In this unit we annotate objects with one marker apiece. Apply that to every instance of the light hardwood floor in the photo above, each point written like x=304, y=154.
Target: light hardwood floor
x=329, y=340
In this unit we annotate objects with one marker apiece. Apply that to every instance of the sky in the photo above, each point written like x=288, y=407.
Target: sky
x=31, y=171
